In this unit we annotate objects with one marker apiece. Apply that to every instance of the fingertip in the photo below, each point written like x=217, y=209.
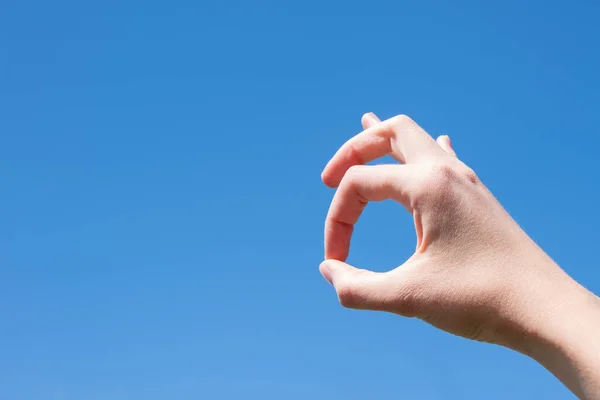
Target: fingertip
x=329, y=178
x=447, y=140
x=325, y=270
x=332, y=267
x=369, y=119
x=446, y=144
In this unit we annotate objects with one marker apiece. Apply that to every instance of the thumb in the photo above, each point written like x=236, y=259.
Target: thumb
x=358, y=288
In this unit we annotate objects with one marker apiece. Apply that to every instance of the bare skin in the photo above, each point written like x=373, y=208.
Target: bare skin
x=475, y=273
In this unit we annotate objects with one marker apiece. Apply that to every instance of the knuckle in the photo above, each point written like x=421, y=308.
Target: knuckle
x=437, y=182
x=353, y=176
x=449, y=174
x=354, y=171
x=348, y=295
x=414, y=295
x=402, y=119
x=438, y=176
x=457, y=173
x=444, y=172
x=406, y=303
x=470, y=175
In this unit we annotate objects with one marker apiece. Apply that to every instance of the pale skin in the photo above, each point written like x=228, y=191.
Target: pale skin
x=475, y=273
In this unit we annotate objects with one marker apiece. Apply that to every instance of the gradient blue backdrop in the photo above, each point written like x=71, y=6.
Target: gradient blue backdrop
x=161, y=209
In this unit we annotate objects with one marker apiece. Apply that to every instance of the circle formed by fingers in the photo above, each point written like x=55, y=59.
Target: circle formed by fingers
x=360, y=185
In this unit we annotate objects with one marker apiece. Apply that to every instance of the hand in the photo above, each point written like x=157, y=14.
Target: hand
x=475, y=273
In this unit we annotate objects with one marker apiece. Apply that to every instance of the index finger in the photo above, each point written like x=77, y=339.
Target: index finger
x=399, y=137
x=360, y=186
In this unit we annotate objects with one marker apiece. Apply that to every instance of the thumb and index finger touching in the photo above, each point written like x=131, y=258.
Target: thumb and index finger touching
x=358, y=184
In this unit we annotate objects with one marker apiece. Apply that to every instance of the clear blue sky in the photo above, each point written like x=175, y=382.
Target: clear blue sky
x=161, y=210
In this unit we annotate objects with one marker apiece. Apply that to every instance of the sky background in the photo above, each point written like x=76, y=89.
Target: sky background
x=161, y=209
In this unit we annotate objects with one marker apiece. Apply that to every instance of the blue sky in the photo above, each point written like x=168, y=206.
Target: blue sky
x=162, y=211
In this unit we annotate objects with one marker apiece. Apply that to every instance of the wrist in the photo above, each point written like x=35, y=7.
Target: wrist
x=563, y=335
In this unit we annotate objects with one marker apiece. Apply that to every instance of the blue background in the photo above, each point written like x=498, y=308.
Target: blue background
x=161, y=210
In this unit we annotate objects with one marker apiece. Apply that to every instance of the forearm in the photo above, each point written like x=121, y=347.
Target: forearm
x=566, y=341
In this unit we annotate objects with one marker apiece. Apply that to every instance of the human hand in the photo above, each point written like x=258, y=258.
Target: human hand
x=475, y=273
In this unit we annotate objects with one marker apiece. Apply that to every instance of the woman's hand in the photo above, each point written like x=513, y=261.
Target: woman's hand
x=475, y=273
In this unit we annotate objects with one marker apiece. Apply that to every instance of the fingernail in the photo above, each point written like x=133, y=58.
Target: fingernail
x=373, y=118
x=326, y=272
